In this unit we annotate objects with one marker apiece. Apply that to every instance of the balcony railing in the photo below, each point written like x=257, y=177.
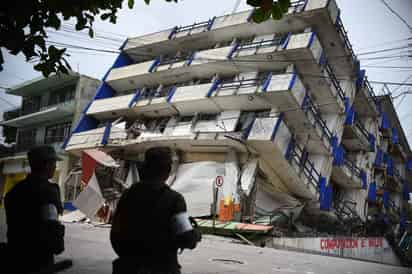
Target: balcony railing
x=23, y=112
x=309, y=106
x=344, y=209
x=352, y=167
x=298, y=6
x=62, y=104
x=362, y=129
x=344, y=35
x=295, y=155
x=335, y=82
x=370, y=91
x=392, y=204
x=236, y=84
x=263, y=44
x=207, y=25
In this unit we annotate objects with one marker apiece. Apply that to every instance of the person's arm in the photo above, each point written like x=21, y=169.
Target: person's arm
x=186, y=235
x=52, y=231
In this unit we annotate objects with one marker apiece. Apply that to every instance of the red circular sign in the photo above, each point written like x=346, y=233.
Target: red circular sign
x=219, y=181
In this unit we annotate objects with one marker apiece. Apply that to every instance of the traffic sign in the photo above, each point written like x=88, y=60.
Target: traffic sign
x=219, y=181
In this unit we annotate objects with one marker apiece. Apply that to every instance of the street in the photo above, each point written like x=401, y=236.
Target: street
x=89, y=248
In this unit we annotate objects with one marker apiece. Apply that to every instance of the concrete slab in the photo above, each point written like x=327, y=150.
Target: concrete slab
x=90, y=249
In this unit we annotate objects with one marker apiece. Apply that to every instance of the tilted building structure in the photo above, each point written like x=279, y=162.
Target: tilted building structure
x=264, y=118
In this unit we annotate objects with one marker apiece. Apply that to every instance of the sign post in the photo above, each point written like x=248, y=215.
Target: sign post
x=218, y=184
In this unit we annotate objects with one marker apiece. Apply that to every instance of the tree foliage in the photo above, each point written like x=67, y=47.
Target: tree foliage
x=264, y=9
x=23, y=25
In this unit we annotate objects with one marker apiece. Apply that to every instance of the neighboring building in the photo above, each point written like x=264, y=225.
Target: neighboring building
x=278, y=113
x=50, y=107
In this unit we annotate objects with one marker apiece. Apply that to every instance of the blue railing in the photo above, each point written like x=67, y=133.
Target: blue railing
x=298, y=6
x=335, y=82
x=309, y=106
x=344, y=34
x=277, y=41
x=207, y=25
x=294, y=155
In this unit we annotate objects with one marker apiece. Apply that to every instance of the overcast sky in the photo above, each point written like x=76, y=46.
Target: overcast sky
x=370, y=25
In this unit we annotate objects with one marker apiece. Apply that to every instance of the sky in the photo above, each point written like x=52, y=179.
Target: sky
x=370, y=26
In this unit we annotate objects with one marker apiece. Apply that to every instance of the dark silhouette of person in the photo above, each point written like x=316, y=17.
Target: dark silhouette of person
x=150, y=223
x=34, y=234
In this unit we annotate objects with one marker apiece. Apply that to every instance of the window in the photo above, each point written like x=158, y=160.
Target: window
x=185, y=119
x=30, y=105
x=245, y=40
x=207, y=117
x=62, y=95
x=26, y=139
x=57, y=133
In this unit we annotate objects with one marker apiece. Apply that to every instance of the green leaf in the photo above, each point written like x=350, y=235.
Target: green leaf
x=104, y=16
x=284, y=5
x=147, y=2
x=276, y=12
x=53, y=21
x=254, y=3
x=260, y=15
x=130, y=3
x=91, y=33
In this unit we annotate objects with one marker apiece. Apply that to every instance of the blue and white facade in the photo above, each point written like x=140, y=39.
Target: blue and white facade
x=285, y=100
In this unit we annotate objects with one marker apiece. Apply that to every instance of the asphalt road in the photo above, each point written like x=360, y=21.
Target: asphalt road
x=89, y=248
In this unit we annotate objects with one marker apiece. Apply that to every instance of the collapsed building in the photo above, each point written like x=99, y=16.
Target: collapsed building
x=272, y=123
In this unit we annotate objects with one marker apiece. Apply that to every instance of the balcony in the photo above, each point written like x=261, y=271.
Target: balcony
x=347, y=174
x=287, y=93
x=322, y=15
x=346, y=212
x=242, y=57
x=393, y=180
x=356, y=137
x=283, y=91
x=272, y=140
x=107, y=136
x=391, y=209
x=109, y=108
x=395, y=148
x=365, y=103
x=45, y=114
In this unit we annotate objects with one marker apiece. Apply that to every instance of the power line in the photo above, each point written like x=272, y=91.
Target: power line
x=404, y=81
x=8, y=102
x=383, y=50
x=392, y=83
x=396, y=14
x=387, y=42
x=394, y=67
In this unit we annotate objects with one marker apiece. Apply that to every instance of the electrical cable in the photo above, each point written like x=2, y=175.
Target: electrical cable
x=8, y=102
x=396, y=14
x=387, y=42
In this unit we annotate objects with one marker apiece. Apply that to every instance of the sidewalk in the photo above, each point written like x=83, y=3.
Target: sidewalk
x=90, y=249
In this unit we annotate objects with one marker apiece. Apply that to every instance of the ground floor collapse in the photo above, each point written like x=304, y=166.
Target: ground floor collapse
x=231, y=188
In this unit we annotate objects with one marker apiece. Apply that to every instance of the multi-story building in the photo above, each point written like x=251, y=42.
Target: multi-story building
x=273, y=117
x=50, y=106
